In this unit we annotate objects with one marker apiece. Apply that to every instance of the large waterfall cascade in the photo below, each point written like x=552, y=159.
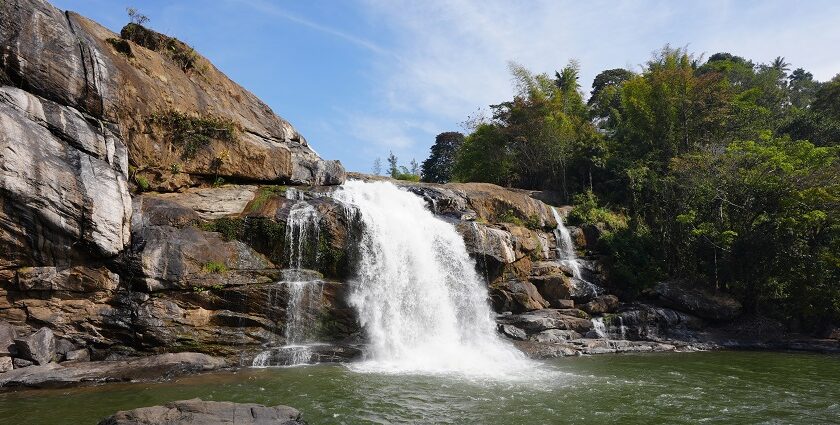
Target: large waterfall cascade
x=417, y=293
x=304, y=292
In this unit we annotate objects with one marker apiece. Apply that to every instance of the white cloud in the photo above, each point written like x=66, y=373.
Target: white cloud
x=450, y=55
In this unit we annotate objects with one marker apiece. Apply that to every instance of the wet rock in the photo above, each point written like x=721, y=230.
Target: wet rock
x=199, y=412
x=159, y=367
x=512, y=332
x=601, y=305
x=38, y=347
x=309, y=354
x=697, y=301
x=483, y=240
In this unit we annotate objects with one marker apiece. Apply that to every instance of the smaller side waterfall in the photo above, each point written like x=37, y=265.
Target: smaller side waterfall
x=303, y=289
x=565, y=247
x=302, y=228
x=599, y=327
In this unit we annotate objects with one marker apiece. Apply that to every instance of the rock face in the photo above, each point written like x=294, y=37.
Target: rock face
x=199, y=412
x=77, y=63
x=86, y=118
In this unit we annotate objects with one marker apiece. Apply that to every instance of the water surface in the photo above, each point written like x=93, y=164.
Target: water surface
x=687, y=388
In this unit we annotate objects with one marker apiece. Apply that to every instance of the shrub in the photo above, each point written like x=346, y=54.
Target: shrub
x=193, y=133
x=120, y=45
x=230, y=228
x=215, y=267
x=407, y=177
x=142, y=183
x=265, y=193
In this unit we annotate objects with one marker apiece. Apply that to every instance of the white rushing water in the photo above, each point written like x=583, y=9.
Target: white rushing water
x=303, y=289
x=565, y=247
x=418, y=295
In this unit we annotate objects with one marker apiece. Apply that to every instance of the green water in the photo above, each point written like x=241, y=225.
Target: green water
x=713, y=387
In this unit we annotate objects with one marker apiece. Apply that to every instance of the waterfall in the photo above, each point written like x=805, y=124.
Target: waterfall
x=302, y=232
x=599, y=327
x=303, y=289
x=565, y=247
x=417, y=293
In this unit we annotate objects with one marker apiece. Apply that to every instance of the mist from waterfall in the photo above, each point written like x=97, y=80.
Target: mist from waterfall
x=417, y=293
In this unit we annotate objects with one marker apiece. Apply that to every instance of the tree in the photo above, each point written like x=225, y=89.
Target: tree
x=414, y=167
x=437, y=168
x=135, y=17
x=377, y=166
x=393, y=169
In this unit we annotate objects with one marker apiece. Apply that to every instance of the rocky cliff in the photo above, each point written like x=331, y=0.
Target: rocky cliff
x=89, y=120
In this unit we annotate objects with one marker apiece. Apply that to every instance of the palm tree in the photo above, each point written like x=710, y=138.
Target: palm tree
x=780, y=65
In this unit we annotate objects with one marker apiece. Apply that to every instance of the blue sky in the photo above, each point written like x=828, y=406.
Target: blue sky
x=361, y=78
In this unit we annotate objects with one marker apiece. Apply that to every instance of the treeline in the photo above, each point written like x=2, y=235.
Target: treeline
x=723, y=171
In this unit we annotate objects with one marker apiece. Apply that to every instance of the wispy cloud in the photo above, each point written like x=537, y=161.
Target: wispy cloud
x=274, y=10
x=453, y=53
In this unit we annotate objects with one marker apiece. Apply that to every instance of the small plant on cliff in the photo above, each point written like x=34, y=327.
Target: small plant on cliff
x=215, y=267
x=193, y=133
x=142, y=183
x=230, y=228
x=509, y=217
x=120, y=45
x=265, y=193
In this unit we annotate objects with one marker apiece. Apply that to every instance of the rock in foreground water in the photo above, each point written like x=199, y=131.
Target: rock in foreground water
x=197, y=411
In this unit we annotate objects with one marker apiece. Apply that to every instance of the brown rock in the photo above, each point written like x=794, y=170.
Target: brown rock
x=602, y=304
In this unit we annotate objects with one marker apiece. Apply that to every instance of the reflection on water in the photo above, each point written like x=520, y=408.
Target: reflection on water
x=717, y=387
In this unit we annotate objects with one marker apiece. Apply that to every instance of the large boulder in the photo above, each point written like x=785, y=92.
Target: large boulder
x=696, y=300
x=199, y=412
x=38, y=348
x=516, y=296
x=602, y=304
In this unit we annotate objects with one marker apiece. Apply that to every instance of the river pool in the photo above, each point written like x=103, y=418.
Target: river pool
x=707, y=387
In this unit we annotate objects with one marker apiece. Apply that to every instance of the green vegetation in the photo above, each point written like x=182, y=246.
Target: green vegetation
x=179, y=52
x=215, y=267
x=265, y=193
x=438, y=167
x=120, y=45
x=230, y=228
x=142, y=183
x=192, y=133
x=724, y=172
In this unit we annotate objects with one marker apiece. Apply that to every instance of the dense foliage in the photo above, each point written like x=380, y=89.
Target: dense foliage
x=722, y=172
